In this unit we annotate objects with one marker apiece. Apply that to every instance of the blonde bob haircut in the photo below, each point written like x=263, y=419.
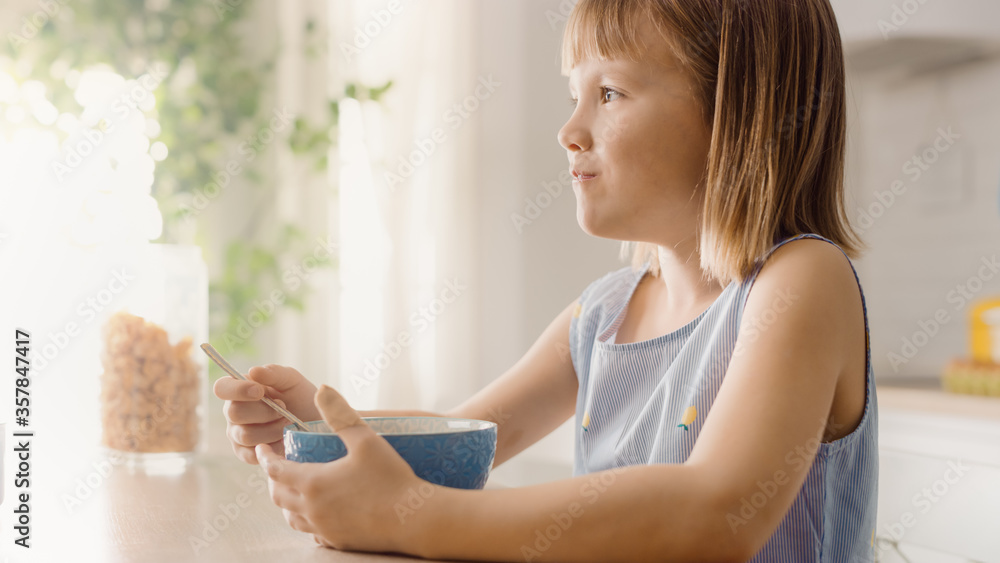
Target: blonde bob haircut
x=769, y=78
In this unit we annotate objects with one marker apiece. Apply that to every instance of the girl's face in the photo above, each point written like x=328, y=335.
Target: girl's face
x=638, y=129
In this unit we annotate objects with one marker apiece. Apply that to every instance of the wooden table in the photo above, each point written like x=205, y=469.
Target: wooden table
x=217, y=509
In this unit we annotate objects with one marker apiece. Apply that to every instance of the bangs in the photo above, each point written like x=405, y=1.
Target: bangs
x=604, y=30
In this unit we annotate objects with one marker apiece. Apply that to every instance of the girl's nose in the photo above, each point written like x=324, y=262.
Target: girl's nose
x=573, y=137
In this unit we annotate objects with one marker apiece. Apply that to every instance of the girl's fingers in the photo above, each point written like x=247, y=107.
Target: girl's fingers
x=286, y=497
x=249, y=455
x=231, y=389
x=299, y=522
x=320, y=540
x=282, y=470
x=245, y=454
x=282, y=378
x=253, y=412
x=253, y=434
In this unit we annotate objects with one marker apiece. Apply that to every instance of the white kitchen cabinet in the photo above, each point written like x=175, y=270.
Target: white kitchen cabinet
x=939, y=477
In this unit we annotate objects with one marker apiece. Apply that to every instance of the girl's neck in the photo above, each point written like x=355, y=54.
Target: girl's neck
x=682, y=278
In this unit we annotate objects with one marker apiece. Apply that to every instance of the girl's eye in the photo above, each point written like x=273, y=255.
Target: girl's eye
x=604, y=90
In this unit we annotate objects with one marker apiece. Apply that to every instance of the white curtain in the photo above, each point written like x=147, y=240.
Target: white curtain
x=301, y=195
x=408, y=338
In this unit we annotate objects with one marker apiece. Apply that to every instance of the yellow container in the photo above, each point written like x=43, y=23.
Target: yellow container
x=984, y=331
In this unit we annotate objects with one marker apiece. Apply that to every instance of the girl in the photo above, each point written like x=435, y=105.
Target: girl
x=712, y=423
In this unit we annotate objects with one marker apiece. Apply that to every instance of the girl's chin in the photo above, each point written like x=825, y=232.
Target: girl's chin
x=596, y=226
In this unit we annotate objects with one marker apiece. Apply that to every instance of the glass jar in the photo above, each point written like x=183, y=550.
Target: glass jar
x=154, y=384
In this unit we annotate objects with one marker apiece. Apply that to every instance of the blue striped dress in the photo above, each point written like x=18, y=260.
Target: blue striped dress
x=633, y=397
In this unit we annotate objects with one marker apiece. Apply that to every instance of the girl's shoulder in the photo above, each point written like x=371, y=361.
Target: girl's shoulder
x=814, y=278
x=807, y=259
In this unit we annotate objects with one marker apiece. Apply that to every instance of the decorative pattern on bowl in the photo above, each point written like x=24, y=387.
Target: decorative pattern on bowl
x=454, y=452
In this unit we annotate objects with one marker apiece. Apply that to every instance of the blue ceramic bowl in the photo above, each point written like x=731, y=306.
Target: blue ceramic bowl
x=454, y=452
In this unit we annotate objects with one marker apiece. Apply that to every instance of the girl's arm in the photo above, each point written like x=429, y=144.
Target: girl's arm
x=637, y=513
x=533, y=397
x=529, y=400
x=765, y=424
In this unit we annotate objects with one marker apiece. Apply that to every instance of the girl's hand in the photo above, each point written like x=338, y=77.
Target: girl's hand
x=250, y=421
x=350, y=503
